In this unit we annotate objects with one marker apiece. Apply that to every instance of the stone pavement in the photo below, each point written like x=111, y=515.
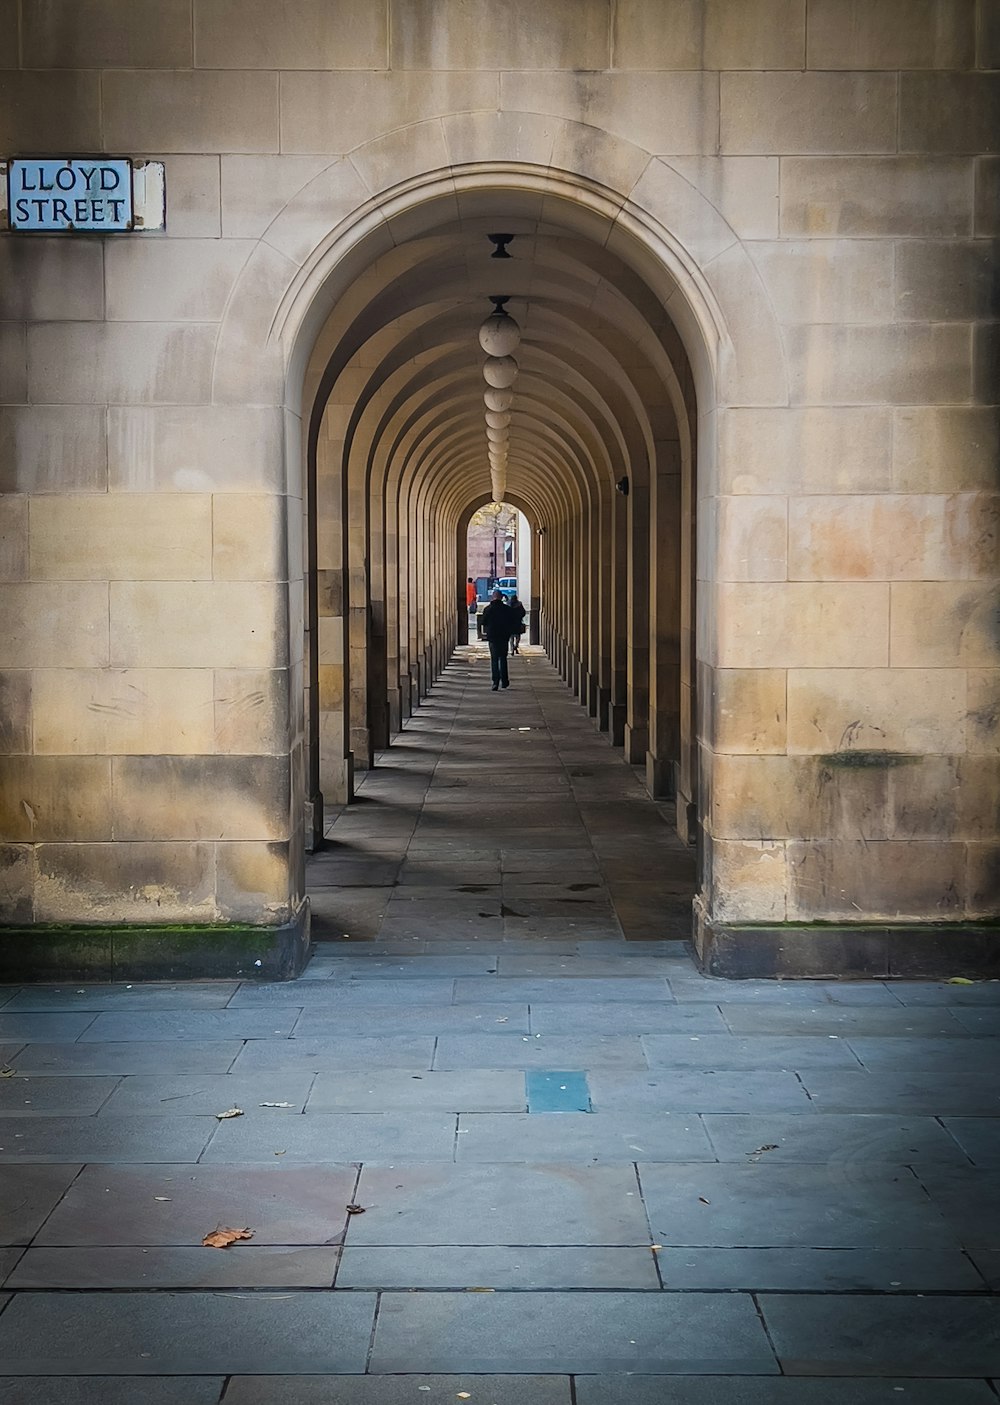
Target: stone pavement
x=588, y=1175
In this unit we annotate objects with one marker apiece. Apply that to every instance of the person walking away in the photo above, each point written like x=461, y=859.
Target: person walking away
x=498, y=626
x=519, y=612
x=470, y=595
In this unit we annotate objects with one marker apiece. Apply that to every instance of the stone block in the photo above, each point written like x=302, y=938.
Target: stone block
x=744, y=189
x=121, y=536
x=14, y=361
x=196, y=624
x=945, y=112
x=571, y=34
x=190, y=111
x=749, y=880
x=944, y=624
x=983, y=880
x=46, y=112
x=195, y=448
x=877, y=710
x=249, y=365
x=171, y=280
x=249, y=537
x=194, y=207
x=856, y=34
x=318, y=34
x=122, y=363
x=945, y=448
x=90, y=34
x=749, y=711
x=893, y=880
x=796, y=797
x=13, y=538
x=987, y=217
x=836, y=449
x=253, y=881
x=659, y=112
x=55, y=798
x=752, y=367
x=252, y=711
x=983, y=702
x=770, y=114
x=100, y=712
x=255, y=189
x=17, y=893
x=15, y=712
x=905, y=195
x=922, y=363
x=55, y=625
x=52, y=449
x=752, y=538
x=671, y=198
x=48, y=280
x=802, y=625
x=716, y=34
x=8, y=33
x=894, y=537
x=200, y=797
x=947, y=281
x=986, y=363
x=827, y=280
x=139, y=883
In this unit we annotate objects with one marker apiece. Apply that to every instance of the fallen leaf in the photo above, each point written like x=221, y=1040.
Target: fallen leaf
x=654, y=1247
x=959, y=980
x=232, y=1112
x=703, y=1201
x=222, y=1237
x=279, y=1153
x=355, y=1209
x=758, y=1152
x=463, y=1395
x=229, y=1114
x=165, y=1198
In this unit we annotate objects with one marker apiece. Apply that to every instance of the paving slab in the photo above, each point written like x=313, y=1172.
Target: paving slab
x=919, y=1336
x=499, y=1204
x=48, y=1096
x=620, y=1017
x=835, y=1139
x=28, y=1195
x=582, y=1137
x=195, y=995
x=655, y=1332
x=987, y=1261
x=156, y=1056
x=37, y=1027
x=797, y=1270
x=927, y=1055
x=730, y=1051
x=205, y=1095
x=111, y=1390
x=777, y=1390
x=172, y=1204
x=845, y=1021
x=275, y=1023
x=399, y=1390
x=368, y=1018
x=103, y=1139
x=689, y=985
x=982, y=1022
x=342, y=1052
x=697, y=1090
x=332, y=1136
x=478, y=1090
x=565, y=1051
x=768, y=1205
x=241, y=1266
x=979, y=1138
x=497, y=1267
x=8, y=1258
x=968, y=1198
x=183, y=1333
x=942, y=993
x=369, y=968
x=887, y=1090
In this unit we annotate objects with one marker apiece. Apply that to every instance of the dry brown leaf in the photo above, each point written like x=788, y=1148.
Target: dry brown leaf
x=355, y=1209
x=222, y=1237
x=231, y=1112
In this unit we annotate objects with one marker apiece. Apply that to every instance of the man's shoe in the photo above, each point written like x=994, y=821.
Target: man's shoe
x=505, y=685
x=495, y=687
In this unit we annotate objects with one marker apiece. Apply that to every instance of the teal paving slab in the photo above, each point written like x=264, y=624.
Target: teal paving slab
x=859, y=1336
x=776, y=1390
x=528, y=1332
x=549, y=1091
x=171, y=1204
x=497, y=1267
x=583, y=1137
x=796, y=1270
x=240, y=1266
x=400, y=1390
x=835, y=1139
x=153, y=1334
x=111, y=1390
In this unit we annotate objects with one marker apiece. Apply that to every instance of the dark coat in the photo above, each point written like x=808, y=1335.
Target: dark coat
x=498, y=623
x=519, y=612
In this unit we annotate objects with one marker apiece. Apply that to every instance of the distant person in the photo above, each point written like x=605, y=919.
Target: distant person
x=470, y=595
x=498, y=626
x=518, y=611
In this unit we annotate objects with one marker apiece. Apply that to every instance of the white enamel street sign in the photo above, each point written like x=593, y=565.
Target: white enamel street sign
x=81, y=195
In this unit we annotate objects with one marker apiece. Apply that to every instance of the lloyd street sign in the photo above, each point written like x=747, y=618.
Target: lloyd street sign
x=82, y=195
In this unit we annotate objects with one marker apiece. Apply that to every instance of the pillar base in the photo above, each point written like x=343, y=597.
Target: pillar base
x=314, y=822
x=603, y=709
x=660, y=778
x=236, y=951
x=616, y=723
x=860, y=951
x=634, y=742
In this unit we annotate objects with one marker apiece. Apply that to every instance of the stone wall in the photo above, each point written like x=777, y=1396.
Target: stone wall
x=809, y=194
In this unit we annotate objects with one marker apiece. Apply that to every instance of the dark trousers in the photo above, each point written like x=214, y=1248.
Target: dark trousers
x=498, y=660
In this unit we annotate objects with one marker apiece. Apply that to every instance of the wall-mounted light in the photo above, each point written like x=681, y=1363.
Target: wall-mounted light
x=501, y=241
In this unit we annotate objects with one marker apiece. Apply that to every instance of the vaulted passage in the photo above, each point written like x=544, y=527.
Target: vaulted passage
x=502, y=818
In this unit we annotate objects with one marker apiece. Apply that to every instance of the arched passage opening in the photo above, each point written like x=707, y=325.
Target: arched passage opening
x=603, y=446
